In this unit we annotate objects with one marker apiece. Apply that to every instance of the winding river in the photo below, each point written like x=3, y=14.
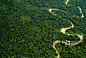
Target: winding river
x=63, y=30
x=67, y=2
x=80, y=11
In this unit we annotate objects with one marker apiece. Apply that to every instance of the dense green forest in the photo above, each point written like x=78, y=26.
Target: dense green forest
x=28, y=30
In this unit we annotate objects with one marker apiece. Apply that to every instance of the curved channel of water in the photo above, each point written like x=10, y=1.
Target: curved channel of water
x=63, y=30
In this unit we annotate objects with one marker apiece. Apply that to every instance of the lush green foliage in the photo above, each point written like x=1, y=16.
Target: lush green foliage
x=29, y=30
